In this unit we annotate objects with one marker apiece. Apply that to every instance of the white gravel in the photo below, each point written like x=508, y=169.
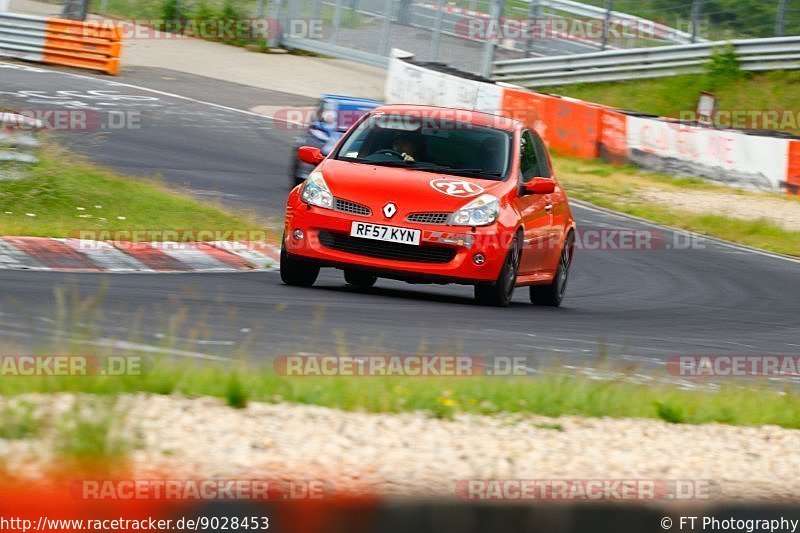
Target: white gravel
x=784, y=212
x=416, y=455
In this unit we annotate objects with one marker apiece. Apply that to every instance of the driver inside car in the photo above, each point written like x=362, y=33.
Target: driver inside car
x=406, y=146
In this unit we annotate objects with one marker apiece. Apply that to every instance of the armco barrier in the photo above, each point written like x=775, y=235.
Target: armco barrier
x=60, y=42
x=17, y=141
x=573, y=127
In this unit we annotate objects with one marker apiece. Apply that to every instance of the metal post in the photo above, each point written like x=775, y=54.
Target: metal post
x=317, y=10
x=780, y=20
x=291, y=17
x=436, y=36
x=386, y=28
x=275, y=38
x=103, y=7
x=609, y=8
x=495, y=13
x=75, y=9
x=533, y=17
x=260, y=9
x=404, y=14
x=337, y=20
x=697, y=8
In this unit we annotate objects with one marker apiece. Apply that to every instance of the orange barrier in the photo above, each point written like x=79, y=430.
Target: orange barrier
x=570, y=127
x=612, y=144
x=573, y=127
x=83, y=45
x=793, y=170
x=528, y=107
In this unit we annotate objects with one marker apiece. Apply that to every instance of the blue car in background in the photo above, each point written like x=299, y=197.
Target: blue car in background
x=333, y=116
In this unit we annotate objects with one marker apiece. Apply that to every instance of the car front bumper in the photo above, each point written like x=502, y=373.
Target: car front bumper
x=315, y=222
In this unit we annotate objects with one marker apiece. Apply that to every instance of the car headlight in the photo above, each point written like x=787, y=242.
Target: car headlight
x=482, y=211
x=316, y=191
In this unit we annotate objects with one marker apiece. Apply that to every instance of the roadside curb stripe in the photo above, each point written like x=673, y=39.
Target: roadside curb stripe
x=193, y=255
x=52, y=253
x=259, y=255
x=106, y=256
x=151, y=256
x=81, y=255
x=13, y=257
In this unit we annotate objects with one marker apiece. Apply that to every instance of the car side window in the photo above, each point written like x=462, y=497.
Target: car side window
x=541, y=154
x=528, y=160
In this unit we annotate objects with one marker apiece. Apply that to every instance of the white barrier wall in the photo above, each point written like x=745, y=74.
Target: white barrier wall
x=722, y=155
x=413, y=84
x=734, y=158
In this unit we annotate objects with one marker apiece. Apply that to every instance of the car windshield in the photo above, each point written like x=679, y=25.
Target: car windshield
x=429, y=144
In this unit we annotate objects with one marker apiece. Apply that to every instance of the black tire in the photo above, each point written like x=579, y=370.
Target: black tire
x=359, y=278
x=296, y=271
x=552, y=294
x=500, y=292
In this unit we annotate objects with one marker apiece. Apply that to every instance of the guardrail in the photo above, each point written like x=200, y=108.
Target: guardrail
x=17, y=141
x=775, y=53
x=60, y=42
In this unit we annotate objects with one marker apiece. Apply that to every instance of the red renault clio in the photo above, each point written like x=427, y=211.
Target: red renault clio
x=437, y=195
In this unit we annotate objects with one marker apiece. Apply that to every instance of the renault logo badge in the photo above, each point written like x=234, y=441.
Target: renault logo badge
x=389, y=210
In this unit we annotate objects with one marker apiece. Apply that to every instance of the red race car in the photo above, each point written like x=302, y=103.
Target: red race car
x=438, y=195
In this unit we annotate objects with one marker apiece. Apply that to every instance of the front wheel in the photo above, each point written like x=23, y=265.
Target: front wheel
x=499, y=293
x=296, y=271
x=553, y=293
x=360, y=279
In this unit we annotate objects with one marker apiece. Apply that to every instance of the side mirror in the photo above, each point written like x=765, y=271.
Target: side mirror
x=310, y=155
x=539, y=186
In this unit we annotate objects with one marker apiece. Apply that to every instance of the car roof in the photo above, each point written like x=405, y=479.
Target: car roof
x=479, y=118
x=351, y=100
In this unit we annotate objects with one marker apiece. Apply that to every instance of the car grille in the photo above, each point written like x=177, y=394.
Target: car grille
x=428, y=218
x=353, y=208
x=386, y=250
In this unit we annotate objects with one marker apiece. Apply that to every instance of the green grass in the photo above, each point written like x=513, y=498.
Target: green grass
x=670, y=96
x=546, y=394
x=18, y=420
x=616, y=188
x=65, y=195
x=88, y=436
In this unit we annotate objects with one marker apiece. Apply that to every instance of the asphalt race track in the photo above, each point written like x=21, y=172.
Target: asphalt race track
x=637, y=305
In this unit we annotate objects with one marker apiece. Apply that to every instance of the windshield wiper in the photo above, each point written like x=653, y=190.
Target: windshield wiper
x=426, y=167
x=416, y=165
x=472, y=171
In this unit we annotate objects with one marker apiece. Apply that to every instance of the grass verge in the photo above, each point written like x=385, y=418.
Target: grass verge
x=619, y=188
x=545, y=394
x=64, y=194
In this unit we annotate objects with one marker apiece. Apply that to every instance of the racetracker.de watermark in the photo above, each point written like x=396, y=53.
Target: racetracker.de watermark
x=753, y=119
x=402, y=366
x=587, y=489
x=132, y=239
x=614, y=30
x=587, y=239
x=220, y=28
x=73, y=365
x=70, y=120
x=699, y=366
x=201, y=489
